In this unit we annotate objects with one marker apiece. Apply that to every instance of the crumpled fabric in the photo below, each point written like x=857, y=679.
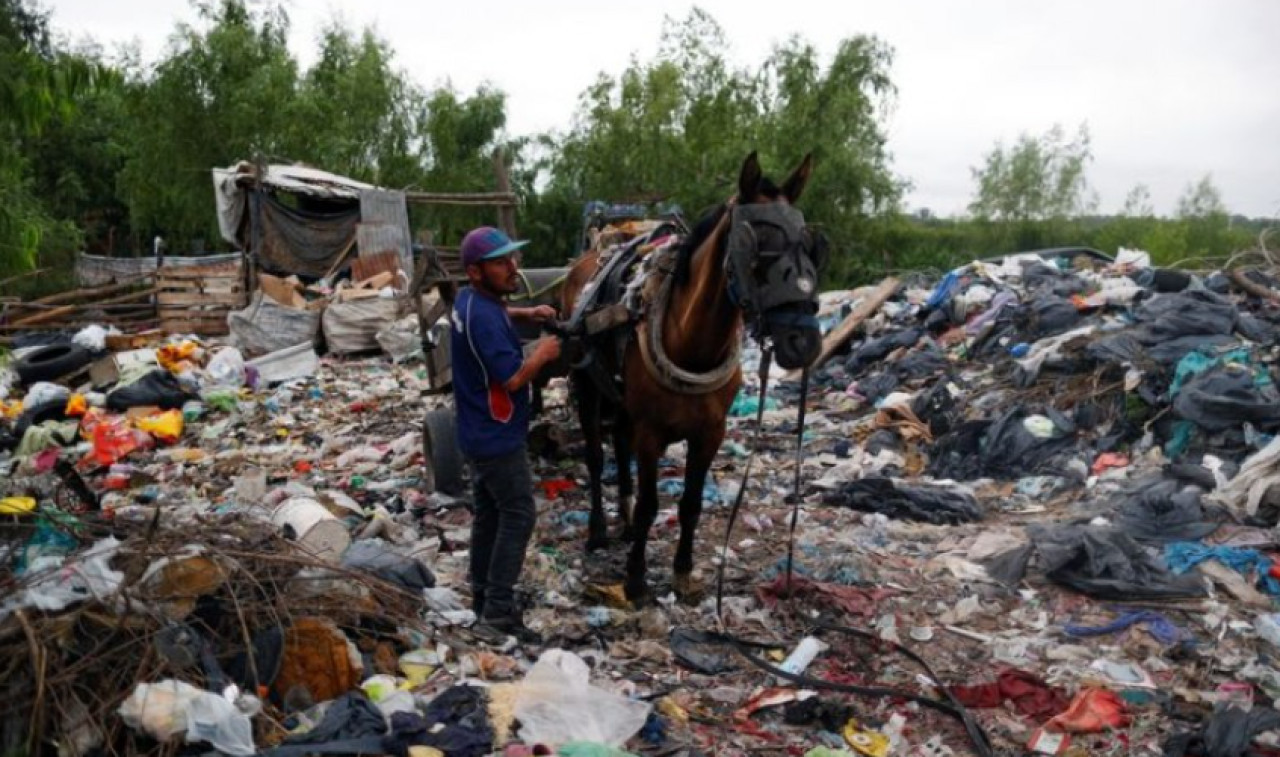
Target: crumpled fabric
x=932, y=504
x=1104, y=562
x=456, y=723
x=1228, y=733
x=1092, y=711
x=1161, y=628
x=351, y=716
x=850, y=599
x=1031, y=697
x=1227, y=397
x=1162, y=510
x=1183, y=556
x=382, y=559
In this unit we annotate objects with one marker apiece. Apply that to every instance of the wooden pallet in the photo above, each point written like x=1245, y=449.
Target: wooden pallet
x=197, y=299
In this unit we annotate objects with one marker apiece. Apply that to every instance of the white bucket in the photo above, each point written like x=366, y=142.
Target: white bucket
x=317, y=531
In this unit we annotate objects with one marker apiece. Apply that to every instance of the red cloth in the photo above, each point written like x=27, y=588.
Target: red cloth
x=1092, y=711
x=851, y=599
x=1031, y=697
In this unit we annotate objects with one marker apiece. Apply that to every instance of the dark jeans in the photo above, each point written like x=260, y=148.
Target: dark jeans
x=504, y=516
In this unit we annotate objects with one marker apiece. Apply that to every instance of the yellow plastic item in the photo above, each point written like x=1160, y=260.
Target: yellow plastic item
x=865, y=741
x=10, y=409
x=76, y=405
x=17, y=505
x=167, y=426
x=171, y=356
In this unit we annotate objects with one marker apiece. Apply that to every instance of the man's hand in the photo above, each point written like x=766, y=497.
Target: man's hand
x=546, y=349
x=538, y=314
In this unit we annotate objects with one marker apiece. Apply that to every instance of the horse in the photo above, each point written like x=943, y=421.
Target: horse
x=750, y=261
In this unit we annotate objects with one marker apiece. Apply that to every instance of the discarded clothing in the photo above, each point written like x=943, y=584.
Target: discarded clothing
x=1227, y=397
x=1182, y=556
x=1031, y=697
x=1160, y=627
x=1228, y=733
x=699, y=651
x=1092, y=711
x=1104, y=562
x=380, y=558
x=931, y=504
x=351, y=716
x=456, y=723
x=1004, y=448
x=850, y=599
x=1163, y=510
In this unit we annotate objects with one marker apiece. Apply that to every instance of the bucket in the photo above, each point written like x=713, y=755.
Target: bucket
x=314, y=528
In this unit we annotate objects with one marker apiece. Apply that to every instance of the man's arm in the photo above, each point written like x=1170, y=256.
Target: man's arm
x=536, y=314
x=544, y=351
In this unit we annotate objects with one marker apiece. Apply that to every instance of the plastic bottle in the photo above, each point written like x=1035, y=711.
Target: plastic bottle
x=802, y=655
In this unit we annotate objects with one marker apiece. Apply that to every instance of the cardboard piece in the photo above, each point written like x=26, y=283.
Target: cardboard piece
x=284, y=291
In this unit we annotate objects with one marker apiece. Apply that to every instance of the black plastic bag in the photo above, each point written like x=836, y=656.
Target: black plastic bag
x=159, y=388
x=876, y=349
x=1005, y=448
x=1187, y=313
x=1225, y=397
x=1164, y=510
x=931, y=504
x=1106, y=563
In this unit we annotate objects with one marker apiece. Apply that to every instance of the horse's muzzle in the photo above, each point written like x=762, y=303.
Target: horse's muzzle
x=795, y=335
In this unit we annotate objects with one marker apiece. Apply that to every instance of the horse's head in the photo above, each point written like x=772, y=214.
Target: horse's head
x=773, y=258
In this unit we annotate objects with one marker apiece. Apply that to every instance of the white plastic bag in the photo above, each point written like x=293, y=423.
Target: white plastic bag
x=92, y=338
x=226, y=369
x=171, y=708
x=556, y=704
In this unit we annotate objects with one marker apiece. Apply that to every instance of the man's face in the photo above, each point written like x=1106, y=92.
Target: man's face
x=496, y=275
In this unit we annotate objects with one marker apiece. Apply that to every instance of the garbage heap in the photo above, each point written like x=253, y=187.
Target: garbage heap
x=1036, y=513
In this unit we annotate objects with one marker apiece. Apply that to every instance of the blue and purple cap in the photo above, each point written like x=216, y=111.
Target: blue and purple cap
x=487, y=243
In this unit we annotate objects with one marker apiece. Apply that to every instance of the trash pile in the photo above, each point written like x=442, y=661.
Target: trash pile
x=1037, y=515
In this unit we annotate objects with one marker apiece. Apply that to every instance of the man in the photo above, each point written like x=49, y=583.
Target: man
x=491, y=378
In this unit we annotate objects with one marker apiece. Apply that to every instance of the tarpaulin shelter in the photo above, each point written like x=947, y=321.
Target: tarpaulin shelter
x=304, y=221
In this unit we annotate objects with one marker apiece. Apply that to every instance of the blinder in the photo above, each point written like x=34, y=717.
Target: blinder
x=777, y=284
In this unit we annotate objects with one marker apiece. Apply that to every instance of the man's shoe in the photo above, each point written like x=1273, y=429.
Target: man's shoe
x=502, y=627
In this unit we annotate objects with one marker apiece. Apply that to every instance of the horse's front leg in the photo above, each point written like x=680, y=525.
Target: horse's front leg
x=589, y=417
x=622, y=453
x=702, y=451
x=648, y=449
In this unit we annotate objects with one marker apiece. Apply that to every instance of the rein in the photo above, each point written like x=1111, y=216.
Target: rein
x=948, y=704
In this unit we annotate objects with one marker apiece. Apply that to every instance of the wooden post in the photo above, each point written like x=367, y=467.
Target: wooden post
x=506, y=213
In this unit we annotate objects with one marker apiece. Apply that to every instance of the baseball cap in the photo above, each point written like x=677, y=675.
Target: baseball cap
x=486, y=243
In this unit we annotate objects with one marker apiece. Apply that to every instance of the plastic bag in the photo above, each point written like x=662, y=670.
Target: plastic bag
x=226, y=369
x=401, y=340
x=92, y=338
x=172, y=708
x=557, y=704
x=114, y=440
x=159, y=388
x=166, y=426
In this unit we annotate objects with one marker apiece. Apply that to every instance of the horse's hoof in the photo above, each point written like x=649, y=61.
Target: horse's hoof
x=597, y=543
x=639, y=596
x=688, y=589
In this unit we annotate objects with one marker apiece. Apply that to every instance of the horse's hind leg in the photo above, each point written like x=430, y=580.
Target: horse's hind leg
x=702, y=451
x=648, y=449
x=589, y=416
x=622, y=453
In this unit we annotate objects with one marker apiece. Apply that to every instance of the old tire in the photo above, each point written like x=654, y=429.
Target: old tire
x=444, y=467
x=51, y=362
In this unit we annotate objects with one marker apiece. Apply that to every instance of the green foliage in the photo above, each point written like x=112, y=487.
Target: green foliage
x=678, y=127
x=1037, y=180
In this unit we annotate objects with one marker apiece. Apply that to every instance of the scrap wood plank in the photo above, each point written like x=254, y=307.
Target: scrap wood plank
x=836, y=338
x=368, y=266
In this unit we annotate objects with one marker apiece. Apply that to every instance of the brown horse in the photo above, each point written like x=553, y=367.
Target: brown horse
x=752, y=256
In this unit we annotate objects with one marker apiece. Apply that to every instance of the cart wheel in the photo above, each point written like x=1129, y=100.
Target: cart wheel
x=444, y=468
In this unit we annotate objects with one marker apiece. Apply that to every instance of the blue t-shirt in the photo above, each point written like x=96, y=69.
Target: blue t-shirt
x=486, y=353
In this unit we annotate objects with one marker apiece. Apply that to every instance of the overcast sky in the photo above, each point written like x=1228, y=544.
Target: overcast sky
x=1171, y=90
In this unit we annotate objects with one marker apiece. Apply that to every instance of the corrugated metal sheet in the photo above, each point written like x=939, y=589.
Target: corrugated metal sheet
x=93, y=270
x=384, y=225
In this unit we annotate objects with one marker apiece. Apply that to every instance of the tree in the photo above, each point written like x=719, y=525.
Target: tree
x=1038, y=179
x=1201, y=200
x=1137, y=204
x=37, y=85
x=678, y=127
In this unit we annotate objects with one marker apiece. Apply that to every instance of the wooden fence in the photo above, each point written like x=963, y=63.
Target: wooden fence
x=182, y=299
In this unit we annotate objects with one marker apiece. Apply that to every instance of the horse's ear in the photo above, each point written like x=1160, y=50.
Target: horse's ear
x=749, y=179
x=795, y=183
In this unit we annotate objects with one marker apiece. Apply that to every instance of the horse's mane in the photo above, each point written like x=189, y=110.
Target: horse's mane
x=707, y=224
